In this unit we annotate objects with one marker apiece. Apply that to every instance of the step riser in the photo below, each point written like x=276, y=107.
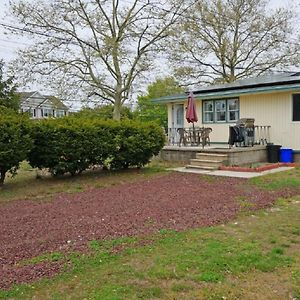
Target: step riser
x=206, y=164
x=207, y=161
x=200, y=168
x=211, y=157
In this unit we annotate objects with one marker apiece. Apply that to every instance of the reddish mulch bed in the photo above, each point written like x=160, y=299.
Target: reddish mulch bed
x=175, y=201
x=257, y=169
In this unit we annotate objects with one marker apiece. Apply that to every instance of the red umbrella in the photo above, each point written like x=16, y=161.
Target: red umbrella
x=191, y=114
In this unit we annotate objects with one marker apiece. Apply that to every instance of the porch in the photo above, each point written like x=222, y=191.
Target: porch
x=214, y=155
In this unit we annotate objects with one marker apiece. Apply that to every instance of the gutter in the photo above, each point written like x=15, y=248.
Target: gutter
x=228, y=93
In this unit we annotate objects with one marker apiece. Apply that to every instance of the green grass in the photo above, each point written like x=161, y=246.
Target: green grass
x=25, y=184
x=279, y=180
x=49, y=257
x=240, y=260
x=244, y=259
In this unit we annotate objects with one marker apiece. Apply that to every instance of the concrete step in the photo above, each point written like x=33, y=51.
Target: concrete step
x=213, y=156
x=206, y=162
x=209, y=168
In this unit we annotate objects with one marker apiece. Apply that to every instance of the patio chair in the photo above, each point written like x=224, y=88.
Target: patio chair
x=183, y=136
x=204, y=138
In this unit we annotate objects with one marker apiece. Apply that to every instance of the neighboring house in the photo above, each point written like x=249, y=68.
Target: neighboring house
x=42, y=106
x=273, y=101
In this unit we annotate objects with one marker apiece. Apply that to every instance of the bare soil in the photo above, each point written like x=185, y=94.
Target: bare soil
x=68, y=221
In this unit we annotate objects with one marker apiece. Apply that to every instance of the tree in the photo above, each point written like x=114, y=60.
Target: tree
x=104, y=112
x=15, y=141
x=8, y=96
x=101, y=46
x=227, y=40
x=148, y=111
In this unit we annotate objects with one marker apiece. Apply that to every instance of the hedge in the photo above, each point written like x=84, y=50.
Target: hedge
x=15, y=141
x=72, y=144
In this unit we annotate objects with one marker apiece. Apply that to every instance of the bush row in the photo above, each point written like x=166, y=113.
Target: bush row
x=15, y=141
x=72, y=144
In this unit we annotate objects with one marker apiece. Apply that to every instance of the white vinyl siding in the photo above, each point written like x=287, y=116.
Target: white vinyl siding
x=274, y=109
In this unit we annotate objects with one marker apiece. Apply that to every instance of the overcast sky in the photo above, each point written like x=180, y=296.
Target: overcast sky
x=9, y=45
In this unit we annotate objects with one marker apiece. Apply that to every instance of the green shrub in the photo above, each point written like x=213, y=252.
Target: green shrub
x=137, y=143
x=73, y=144
x=15, y=141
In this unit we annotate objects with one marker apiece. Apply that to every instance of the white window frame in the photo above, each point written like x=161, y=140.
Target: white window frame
x=59, y=113
x=220, y=111
x=211, y=112
x=237, y=110
x=48, y=114
x=227, y=111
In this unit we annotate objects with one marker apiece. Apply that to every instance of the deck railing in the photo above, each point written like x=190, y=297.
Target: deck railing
x=189, y=136
x=261, y=135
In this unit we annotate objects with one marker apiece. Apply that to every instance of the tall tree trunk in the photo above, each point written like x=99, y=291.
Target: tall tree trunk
x=2, y=176
x=117, y=109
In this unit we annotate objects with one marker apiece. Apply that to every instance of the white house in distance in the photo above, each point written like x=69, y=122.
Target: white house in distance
x=42, y=106
x=273, y=101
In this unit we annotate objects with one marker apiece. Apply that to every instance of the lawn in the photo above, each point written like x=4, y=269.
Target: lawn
x=254, y=256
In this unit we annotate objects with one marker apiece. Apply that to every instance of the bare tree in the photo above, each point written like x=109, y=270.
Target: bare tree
x=226, y=40
x=100, y=46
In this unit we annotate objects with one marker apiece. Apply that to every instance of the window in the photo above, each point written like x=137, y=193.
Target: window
x=221, y=110
x=296, y=107
x=32, y=112
x=208, y=109
x=232, y=110
x=179, y=116
x=60, y=113
x=47, y=112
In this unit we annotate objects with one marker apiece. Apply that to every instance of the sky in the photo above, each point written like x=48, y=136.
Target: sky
x=10, y=45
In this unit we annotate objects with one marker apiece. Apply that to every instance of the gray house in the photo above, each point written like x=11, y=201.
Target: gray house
x=42, y=106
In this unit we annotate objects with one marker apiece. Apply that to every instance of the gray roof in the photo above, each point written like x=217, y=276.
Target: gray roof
x=25, y=95
x=262, y=84
x=57, y=103
x=267, y=80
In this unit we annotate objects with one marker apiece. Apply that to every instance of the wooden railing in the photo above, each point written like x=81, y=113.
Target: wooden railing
x=262, y=134
x=174, y=136
x=191, y=136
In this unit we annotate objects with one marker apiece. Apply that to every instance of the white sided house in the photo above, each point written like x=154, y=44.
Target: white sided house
x=272, y=101
x=42, y=106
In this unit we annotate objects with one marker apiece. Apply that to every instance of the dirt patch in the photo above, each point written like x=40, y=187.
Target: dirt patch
x=174, y=201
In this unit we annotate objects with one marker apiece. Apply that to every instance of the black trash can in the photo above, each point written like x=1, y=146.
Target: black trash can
x=273, y=152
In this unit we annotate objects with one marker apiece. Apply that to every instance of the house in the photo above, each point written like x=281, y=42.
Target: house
x=42, y=106
x=273, y=101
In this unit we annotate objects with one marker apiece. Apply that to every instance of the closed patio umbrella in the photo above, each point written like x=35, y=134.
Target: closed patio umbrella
x=191, y=114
